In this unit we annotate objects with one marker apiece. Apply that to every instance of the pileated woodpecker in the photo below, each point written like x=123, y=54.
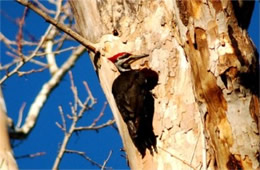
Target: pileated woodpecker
x=135, y=102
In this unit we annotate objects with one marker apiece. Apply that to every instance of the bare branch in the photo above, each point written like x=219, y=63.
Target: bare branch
x=20, y=118
x=73, y=111
x=105, y=162
x=57, y=51
x=22, y=73
x=108, y=123
x=33, y=155
x=43, y=95
x=68, y=135
x=20, y=32
x=43, y=8
x=63, y=127
x=11, y=42
x=61, y=26
x=101, y=114
x=84, y=156
x=50, y=41
x=89, y=91
x=88, y=104
x=75, y=94
x=26, y=59
x=59, y=126
x=50, y=56
x=7, y=43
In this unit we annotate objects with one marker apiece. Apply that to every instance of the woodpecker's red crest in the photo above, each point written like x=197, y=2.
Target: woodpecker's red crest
x=124, y=60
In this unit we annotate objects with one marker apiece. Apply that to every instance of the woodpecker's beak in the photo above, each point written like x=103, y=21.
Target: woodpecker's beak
x=134, y=58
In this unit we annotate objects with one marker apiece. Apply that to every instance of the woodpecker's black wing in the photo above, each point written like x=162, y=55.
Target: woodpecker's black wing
x=135, y=102
x=128, y=93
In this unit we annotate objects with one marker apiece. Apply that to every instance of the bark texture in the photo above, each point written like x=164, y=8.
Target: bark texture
x=7, y=161
x=206, y=101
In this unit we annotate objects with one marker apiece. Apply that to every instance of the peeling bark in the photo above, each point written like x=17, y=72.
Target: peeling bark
x=206, y=101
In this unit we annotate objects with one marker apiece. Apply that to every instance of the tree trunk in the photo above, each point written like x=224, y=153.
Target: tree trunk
x=206, y=101
x=7, y=161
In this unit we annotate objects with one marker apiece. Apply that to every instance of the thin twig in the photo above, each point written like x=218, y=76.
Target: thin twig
x=89, y=91
x=7, y=66
x=105, y=162
x=22, y=73
x=11, y=42
x=42, y=7
x=32, y=60
x=88, y=104
x=44, y=93
x=101, y=114
x=59, y=126
x=61, y=26
x=64, y=127
x=7, y=43
x=20, y=32
x=21, y=64
x=20, y=117
x=75, y=93
x=58, y=51
x=32, y=155
x=76, y=118
x=14, y=21
x=108, y=123
x=65, y=141
x=73, y=111
x=84, y=156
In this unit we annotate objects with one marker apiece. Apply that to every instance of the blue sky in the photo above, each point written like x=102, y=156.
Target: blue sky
x=46, y=136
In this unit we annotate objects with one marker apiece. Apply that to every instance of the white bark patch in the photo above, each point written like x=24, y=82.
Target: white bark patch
x=244, y=128
x=221, y=22
x=202, y=22
x=224, y=48
x=162, y=55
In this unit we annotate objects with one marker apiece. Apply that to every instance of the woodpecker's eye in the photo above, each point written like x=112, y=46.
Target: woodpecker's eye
x=125, y=65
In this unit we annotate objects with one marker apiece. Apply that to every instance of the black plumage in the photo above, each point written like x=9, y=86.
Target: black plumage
x=135, y=102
